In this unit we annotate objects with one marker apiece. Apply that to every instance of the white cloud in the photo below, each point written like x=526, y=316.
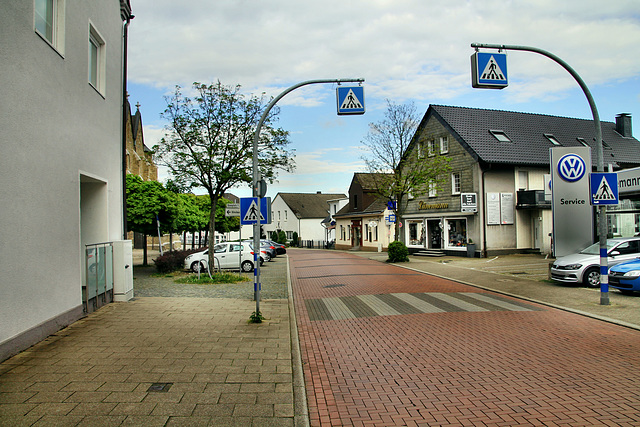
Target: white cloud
x=406, y=48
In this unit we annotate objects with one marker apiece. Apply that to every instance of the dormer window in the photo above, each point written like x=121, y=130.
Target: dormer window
x=583, y=142
x=500, y=135
x=552, y=139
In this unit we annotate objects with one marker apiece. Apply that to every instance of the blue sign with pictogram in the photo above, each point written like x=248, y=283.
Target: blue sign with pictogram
x=249, y=210
x=489, y=70
x=604, y=188
x=350, y=100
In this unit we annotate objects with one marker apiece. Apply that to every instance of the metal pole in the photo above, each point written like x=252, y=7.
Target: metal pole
x=602, y=216
x=256, y=177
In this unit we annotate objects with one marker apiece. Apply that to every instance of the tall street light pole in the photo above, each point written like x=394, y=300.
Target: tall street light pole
x=258, y=188
x=602, y=216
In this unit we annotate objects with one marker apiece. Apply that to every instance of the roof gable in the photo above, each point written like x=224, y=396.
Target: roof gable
x=528, y=135
x=309, y=205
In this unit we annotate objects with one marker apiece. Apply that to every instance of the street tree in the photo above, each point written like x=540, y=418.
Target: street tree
x=208, y=142
x=396, y=162
x=149, y=203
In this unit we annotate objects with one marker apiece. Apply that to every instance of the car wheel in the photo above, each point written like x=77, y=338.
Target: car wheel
x=591, y=278
x=247, y=266
x=197, y=266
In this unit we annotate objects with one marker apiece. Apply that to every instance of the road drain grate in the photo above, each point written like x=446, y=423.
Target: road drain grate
x=160, y=387
x=334, y=286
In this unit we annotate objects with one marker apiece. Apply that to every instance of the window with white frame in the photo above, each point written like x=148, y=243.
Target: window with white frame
x=420, y=147
x=97, y=60
x=433, y=189
x=48, y=22
x=455, y=183
x=444, y=144
x=431, y=147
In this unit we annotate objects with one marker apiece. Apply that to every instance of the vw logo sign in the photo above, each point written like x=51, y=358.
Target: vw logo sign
x=571, y=167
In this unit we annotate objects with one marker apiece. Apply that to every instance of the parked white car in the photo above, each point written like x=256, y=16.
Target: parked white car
x=228, y=255
x=584, y=267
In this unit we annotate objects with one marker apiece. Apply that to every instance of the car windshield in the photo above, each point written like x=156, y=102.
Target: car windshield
x=219, y=249
x=595, y=248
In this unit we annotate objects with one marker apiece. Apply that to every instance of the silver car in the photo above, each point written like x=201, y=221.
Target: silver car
x=584, y=267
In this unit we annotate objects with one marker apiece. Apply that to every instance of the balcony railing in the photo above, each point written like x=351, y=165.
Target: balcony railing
x=532, y=199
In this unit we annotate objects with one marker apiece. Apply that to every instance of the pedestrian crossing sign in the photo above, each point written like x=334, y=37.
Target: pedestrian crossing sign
x=489, y=70
x=604, y=188
x=350, y=100
x=249, y=213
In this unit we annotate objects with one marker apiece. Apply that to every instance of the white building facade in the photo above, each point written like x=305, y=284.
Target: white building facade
x=61, y=166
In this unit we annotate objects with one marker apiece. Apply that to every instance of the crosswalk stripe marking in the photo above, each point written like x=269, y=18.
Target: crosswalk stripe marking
x=393, y=304
x=451, y=299
x=378, y=306
x=422, y=305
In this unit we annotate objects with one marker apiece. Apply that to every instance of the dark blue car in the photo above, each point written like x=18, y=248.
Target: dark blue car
x=625, y=276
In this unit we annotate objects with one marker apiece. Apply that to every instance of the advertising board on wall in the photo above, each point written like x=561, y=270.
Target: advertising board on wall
x=572, y=211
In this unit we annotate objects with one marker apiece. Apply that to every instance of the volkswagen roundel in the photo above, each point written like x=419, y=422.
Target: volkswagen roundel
x=571, y=167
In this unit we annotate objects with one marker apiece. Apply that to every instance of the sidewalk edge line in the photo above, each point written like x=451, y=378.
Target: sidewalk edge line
x=301, y=409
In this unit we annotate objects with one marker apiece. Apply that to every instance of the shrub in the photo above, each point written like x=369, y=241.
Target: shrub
x=173, y=260
x=398, y=252
x=294, y=239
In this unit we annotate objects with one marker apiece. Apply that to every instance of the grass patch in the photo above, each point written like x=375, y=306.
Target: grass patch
x=216, y=278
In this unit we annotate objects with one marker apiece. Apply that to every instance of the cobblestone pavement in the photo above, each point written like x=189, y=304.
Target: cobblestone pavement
x=384, y=345
x=182, y=355
x=147, y=283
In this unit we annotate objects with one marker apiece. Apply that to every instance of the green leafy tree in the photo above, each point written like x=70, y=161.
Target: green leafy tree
x=208, y=141
x=395, y=159
x=148, y=203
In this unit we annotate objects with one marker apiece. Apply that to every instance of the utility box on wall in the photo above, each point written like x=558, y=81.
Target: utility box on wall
x=122, y=270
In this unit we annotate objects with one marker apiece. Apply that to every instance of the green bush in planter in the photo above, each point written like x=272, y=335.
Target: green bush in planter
x=398, y=252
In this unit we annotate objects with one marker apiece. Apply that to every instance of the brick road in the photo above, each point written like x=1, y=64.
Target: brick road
x=382, y=345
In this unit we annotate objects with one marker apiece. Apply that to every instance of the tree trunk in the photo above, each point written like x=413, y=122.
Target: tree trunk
x=212, y=229
x=144, y=251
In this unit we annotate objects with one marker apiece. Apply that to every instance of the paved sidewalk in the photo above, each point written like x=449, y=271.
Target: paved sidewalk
x=156, y=361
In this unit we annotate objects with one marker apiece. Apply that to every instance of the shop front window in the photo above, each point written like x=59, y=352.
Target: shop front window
x=416, y=233
x=457, y=232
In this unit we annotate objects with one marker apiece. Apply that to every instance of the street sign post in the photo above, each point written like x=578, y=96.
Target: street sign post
x=604, y=188
x=489, y=70
x=350, y=100
x=251, y=214
x=232, y=209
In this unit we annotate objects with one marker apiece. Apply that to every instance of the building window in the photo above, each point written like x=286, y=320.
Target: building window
x=456, y=232
x=500, y=135
x=552, y=139
x=97, y=59
x=432, y=148
x=48, y=22
x=416, y=232
x=433, y=189
x=367, y=235
x=286, y=215
x=355, y=201
x=455, y=183
x=444, y=145
x=523, y=180
x=289, y=235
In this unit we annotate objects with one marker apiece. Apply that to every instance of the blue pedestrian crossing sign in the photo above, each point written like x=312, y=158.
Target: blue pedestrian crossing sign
x=489, y=70
x=249, y=213
x=350, y=100
x=604, y=188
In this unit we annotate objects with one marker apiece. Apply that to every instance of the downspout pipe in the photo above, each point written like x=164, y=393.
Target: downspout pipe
x=127, y=16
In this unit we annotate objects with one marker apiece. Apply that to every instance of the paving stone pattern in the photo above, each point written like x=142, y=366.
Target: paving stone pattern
x=101, y=370
x=544, y=367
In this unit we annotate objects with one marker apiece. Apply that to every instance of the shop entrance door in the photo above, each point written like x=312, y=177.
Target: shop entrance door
x=435, y=234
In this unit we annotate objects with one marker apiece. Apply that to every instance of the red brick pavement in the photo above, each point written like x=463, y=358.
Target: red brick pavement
x=545, y=367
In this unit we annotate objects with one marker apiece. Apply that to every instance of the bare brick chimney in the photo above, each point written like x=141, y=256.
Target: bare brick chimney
x=623, y=125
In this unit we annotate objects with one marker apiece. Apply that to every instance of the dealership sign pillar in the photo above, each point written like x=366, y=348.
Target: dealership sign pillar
x=570, y=199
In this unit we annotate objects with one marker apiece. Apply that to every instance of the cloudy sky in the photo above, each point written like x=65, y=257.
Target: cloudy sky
x=406, y=50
